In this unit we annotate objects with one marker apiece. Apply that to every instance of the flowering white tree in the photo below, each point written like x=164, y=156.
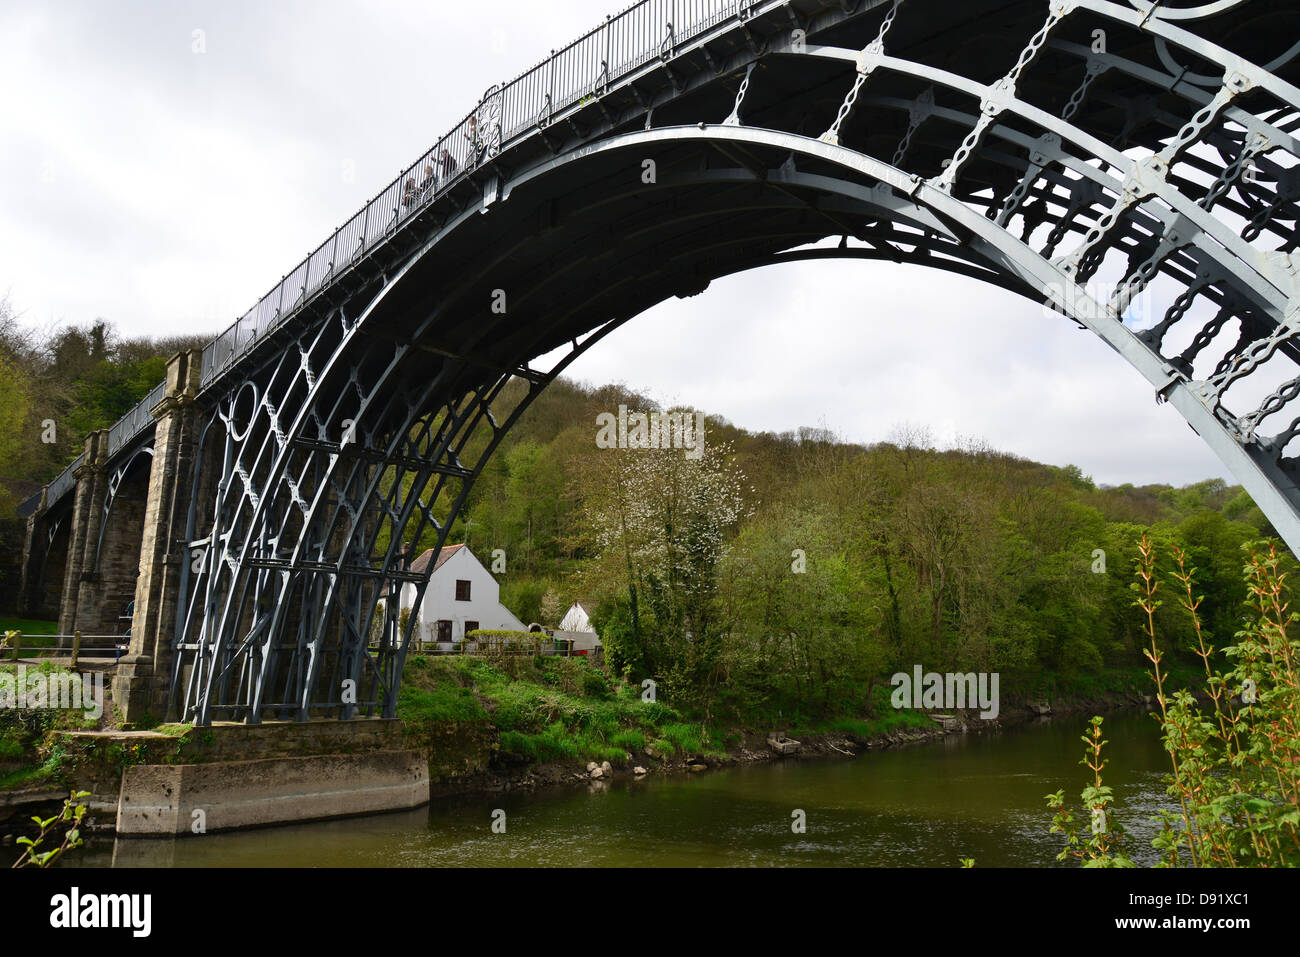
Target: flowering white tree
x=659, y=520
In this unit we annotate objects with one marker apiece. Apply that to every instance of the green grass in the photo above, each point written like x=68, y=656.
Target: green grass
x=44, y=667
x=553, y=744
x=21, y=777
x=48, y=770
x=29, y=626
x=684, y=737
x=22, y=733
x=558, y=709
x=36, y=634
x=439, y=704
x=174, y=730
x=630, y=740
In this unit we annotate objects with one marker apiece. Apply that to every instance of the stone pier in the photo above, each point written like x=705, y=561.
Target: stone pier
x=85, y=525
x=140, y=687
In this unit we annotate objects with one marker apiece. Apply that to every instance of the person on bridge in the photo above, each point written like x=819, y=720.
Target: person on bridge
x=430, y=181
x=472, y=135
x=448, y=163
x=410, y=195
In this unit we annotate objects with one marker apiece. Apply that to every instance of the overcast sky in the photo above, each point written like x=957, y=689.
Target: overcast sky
x=165, y=163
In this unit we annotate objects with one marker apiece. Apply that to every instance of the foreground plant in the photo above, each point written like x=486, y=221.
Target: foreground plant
x=1101, y=847
x=1234, y=767
x=72, y=814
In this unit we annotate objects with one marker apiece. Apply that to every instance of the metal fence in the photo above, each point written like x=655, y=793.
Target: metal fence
x=63, y=482
x=130, y=425
x=15, y=646
x=622, y=44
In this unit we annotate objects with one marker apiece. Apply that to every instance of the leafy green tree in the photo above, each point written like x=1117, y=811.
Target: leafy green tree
x=533, y=490
x=805, y=615
x=14, y=405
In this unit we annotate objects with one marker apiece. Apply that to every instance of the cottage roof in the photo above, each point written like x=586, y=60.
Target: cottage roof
x=421, y=563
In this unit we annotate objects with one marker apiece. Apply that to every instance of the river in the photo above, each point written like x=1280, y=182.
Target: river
x=978, y=796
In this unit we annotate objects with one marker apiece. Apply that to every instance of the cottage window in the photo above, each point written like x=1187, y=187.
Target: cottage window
x=462, y=590
x=444, y=629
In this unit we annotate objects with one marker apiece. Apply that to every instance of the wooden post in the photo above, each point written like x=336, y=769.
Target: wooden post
x=76, y=647
x=15, y=642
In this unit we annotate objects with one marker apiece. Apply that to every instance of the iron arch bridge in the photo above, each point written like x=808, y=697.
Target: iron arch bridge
x=1098, y=155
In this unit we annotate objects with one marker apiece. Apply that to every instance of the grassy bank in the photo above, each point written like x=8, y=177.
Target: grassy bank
x=556, y=709
x=22, y=732
x=550, y=709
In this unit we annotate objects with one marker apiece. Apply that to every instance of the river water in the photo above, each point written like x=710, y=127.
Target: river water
x=979, y=796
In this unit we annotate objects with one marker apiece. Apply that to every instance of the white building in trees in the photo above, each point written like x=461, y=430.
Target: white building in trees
x=577, y=628
x=462, y=596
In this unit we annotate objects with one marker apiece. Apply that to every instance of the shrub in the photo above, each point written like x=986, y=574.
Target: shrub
x=1080, y=654
x=595, y=684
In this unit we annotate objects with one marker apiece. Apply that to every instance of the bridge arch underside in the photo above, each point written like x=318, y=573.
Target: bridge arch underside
x=366, y=427
x=112, y=567
x=51, y=543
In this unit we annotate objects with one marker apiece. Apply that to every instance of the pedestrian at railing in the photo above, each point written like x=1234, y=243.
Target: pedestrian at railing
x=448, y=163
x=471, y=134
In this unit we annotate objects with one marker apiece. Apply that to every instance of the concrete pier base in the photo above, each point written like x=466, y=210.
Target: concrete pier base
x=175, y=799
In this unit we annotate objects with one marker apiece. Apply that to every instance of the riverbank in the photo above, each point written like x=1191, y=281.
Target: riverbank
x=487, y=731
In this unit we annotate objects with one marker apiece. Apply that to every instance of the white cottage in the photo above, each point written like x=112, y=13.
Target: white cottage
x=462, y=596
x=577, y=628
